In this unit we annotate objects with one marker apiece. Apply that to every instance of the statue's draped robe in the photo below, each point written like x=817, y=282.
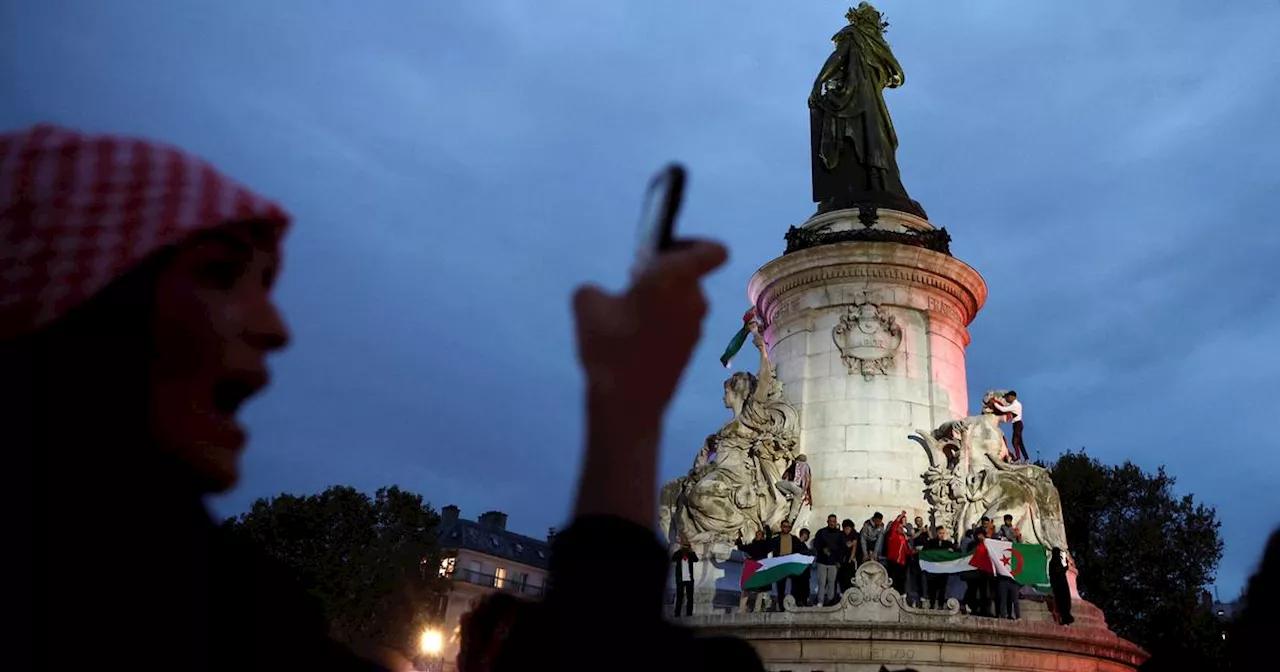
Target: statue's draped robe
x=855, y=144
x=737, y=494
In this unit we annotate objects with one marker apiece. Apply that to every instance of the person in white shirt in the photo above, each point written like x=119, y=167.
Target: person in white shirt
x=1013, y=408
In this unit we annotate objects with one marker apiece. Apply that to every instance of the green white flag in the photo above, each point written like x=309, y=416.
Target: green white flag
x=739, y=339
x=939, y=561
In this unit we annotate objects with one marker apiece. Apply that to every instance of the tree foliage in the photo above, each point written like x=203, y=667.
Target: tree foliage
x=1144, y=555
x=372, y=561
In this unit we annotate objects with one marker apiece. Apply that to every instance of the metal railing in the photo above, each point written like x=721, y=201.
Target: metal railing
x=493, y=581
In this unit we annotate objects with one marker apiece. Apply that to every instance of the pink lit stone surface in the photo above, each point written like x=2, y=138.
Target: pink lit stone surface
x=854, y=428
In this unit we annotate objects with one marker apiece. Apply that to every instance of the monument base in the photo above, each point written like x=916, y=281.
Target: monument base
x=872, y=626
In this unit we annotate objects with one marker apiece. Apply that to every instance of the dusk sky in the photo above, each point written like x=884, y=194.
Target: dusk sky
x=456, y=168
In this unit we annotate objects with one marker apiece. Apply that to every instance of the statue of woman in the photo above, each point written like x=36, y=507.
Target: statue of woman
x=735, y=494
x=854, y=142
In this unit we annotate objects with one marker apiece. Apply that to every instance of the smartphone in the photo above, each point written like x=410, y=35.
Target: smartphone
x=662, y=201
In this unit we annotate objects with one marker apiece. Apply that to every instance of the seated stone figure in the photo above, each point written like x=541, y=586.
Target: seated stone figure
x=731, y=490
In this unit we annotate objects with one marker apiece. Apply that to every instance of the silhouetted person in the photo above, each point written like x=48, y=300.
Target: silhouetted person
x=1251, y=638
x=683, y=560
x=1061, y=589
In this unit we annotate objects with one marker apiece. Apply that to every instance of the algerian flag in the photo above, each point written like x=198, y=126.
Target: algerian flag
x=739, y=339
x=760, y=574
x=1028, y=564
x=941, y=561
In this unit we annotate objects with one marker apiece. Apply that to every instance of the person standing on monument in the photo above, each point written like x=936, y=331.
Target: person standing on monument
x=828, y=547
x=915, y=579
x=795, y=485
x=897, y=552
x=1007, y=531
x=683, y=559
x=936, y=584
x=872, y=538
x=786, y=543
x=1012, y=408
x=851, y=557
x=803, y=586
x=758, y=549
x=1061, y=588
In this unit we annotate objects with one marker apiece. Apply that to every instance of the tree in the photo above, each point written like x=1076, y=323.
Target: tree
x=372, y=562
x=1144, y=555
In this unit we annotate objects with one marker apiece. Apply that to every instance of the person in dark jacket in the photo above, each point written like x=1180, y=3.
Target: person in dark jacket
x=1061, y=589
x=915, y=578
x=828, y=548
x=849, y=556
x=803, y=584
x=683, y=560
x=758, y=549
x=785, y=543
x=936, y=584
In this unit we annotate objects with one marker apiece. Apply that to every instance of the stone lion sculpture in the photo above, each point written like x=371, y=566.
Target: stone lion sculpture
x=731, y=489
x=974, y=479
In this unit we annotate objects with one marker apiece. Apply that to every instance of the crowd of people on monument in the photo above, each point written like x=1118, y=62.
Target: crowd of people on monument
x=841, y=546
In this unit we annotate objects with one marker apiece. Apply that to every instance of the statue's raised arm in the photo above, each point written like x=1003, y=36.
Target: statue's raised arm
x=764, y=376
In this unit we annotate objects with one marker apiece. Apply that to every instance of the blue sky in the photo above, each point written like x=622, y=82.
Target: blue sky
x=457, y=168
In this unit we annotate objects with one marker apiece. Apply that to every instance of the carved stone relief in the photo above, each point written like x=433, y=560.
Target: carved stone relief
x=868, y=337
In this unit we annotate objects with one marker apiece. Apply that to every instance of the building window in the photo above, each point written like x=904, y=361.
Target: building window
x=519, y=581
x=447, y=566
x=500, y=577
x=473, y=572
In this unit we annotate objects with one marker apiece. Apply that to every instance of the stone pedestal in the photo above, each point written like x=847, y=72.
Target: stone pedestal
x=872, y=626
x=869, y=342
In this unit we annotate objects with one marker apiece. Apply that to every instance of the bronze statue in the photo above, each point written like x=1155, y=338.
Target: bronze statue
x=854, y=144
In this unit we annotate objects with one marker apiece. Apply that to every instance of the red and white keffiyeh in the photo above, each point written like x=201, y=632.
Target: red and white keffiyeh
x=78, y=211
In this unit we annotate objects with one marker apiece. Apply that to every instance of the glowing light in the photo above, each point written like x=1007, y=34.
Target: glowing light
x=432, y=642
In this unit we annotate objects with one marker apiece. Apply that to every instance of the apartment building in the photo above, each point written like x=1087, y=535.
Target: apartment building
x=482, y=556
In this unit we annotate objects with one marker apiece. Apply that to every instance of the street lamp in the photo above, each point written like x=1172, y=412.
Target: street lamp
x=431, y=643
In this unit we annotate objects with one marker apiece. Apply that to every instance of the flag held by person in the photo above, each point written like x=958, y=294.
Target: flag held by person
x=760, y=574
x=942, y=561
x=739, y=339
x=1028, y=564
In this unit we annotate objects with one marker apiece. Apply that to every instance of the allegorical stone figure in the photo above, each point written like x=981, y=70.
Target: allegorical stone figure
x=732, y=489
x=854, y=144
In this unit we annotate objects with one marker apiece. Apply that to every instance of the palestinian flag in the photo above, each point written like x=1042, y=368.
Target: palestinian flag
x=761, y=574
x=940, y=561
x=739, y=339
x=1028, y=564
